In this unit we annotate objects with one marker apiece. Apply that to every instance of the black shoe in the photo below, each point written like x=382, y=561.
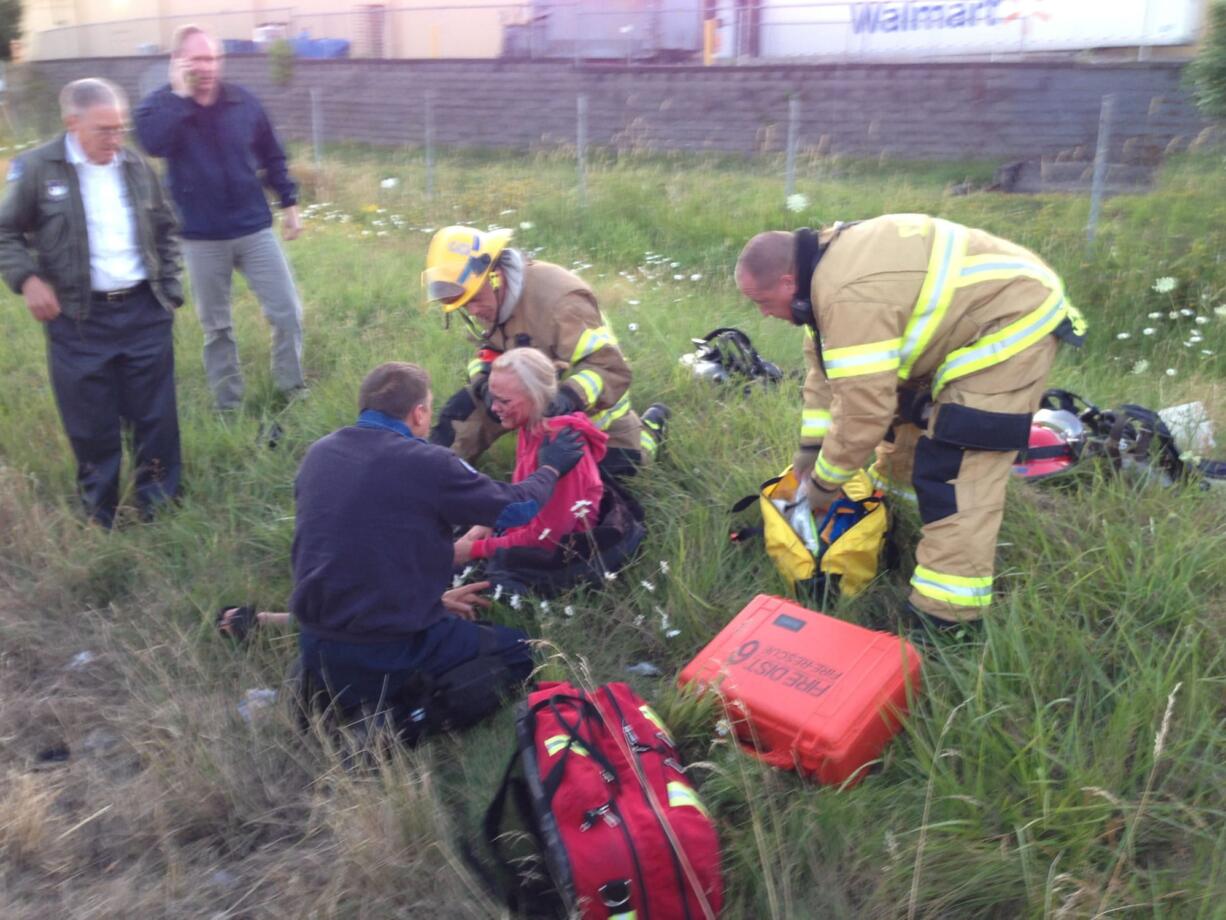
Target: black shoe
x=655, y=420
x=926, y=630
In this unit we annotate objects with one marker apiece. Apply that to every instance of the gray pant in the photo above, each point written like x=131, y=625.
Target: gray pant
x=211, y=264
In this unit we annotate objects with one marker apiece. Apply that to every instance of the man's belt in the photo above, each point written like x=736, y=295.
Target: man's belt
x=121, y=295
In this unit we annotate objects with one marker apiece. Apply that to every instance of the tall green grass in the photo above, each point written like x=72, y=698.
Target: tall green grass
x=1068, y=765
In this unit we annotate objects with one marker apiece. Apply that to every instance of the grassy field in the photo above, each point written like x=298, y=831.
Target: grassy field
x=1072, y=764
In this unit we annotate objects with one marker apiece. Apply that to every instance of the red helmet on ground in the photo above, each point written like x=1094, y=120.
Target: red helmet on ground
x=1048, y=453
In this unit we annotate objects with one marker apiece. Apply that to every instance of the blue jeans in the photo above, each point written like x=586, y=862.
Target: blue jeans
x=364, y=674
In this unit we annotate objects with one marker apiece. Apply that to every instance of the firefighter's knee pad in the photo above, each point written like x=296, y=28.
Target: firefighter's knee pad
x=938, y=459
x=936, y=467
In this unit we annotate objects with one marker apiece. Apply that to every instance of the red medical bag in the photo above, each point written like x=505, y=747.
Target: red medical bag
x=807, y=691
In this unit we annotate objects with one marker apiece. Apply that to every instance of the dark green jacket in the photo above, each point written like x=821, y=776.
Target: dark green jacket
x=43, y=229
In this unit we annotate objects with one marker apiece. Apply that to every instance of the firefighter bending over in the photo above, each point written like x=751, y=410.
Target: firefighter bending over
x=930, y=342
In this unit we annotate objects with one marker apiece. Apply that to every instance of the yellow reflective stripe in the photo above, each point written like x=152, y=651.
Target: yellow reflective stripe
x=948, y=247
x=859, y=360
x=1002, y=344
x=603, y=420
x=977, y=269
x=590, y=382
x=680, y=795
x=591, y=341
x=477, y=367
x=826, y=471
x=809, y=331
x=814, y=423
x=650, y=715
x=557, y=743
x=898, y=490
x=1075, y=316
x=628, y=915
x=959, y=590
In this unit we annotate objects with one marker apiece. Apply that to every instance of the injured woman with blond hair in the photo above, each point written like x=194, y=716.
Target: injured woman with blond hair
x=552, y=551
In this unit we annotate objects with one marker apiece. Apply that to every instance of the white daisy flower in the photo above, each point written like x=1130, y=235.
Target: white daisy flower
x=516, y=601
x=1187, y=311
x=663, y=566
x=1165, y=285
x=389, y=182
x=526, y=225
x=1123, y=335
x=633, y=327
x=697, y=276
x=1157, y=314
x=634, y=303
x=797, y=202
x=1148, y=330
x=568, y=611
x=1170, y=372
x=1202, y=320
x=1220, y=311
x=647, y=586
x=1140, y=367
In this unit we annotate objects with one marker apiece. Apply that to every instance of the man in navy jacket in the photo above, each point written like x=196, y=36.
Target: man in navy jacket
x=217, y=140
x=373, y=546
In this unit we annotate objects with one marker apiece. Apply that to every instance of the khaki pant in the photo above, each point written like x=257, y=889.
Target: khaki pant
x=211, y=265
x=960, y=490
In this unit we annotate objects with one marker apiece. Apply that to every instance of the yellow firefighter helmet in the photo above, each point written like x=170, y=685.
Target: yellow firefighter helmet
x=457, y=263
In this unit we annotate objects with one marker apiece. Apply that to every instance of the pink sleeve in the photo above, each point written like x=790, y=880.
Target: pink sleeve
x=528, y=535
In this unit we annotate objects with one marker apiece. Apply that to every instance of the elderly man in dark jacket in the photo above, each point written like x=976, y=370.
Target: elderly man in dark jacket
x=87, y=239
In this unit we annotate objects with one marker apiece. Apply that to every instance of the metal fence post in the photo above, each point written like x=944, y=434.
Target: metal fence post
x=317, y=127
x=429, y=143
x=1101, y=153
x=793, y=137
x=581, y=147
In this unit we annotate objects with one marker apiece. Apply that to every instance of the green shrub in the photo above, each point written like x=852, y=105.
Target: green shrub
x=1208, y=72
x=281, y=62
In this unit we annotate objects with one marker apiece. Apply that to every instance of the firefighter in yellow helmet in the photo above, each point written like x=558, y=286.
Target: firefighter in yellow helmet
x=510, y=301
x=930, y=342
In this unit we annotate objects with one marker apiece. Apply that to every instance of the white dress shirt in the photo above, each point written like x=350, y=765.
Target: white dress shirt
x=115, y=259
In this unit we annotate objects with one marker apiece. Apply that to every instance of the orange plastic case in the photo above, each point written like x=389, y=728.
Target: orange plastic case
x=807, y=691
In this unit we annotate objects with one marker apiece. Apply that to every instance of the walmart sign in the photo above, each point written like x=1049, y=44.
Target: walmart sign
x=930, y=28
x=911, y=16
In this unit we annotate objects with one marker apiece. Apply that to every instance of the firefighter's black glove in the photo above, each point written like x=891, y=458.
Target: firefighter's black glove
x=563, y=404
x=915, y=406
x=562, y=453
x=456, y=409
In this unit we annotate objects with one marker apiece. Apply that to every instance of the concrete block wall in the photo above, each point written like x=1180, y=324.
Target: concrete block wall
x=905, y=111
